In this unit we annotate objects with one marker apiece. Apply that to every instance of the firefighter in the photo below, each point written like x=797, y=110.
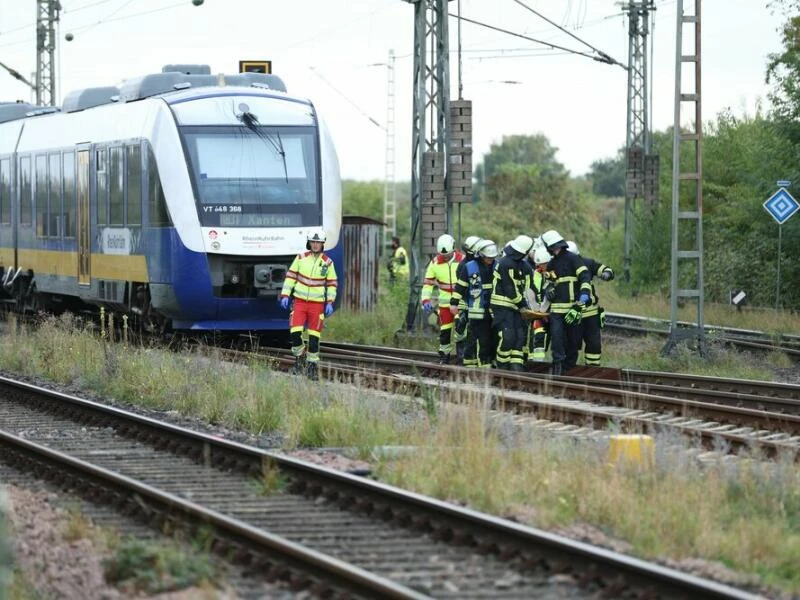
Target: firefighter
x=512, y=276
x=398, y=262
x=441, y=273
x=311, y=283
x=570, y=293
x=461, y=321
x=593, y=316
x=538, y=333
x=471, y=299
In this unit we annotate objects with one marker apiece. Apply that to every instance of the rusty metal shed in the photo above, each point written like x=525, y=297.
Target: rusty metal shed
x=362, y=238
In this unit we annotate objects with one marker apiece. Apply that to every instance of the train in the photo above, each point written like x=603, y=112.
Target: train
x=179, y=198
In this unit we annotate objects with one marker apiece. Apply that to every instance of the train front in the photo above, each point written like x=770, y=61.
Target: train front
x=263, y=172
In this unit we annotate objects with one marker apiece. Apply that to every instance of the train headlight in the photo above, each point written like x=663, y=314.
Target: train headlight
x=262, y=275
x=235, y=278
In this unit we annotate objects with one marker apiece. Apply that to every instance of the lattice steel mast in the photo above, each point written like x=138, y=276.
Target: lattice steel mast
x=47, y=15
x=430, y=141
x=389, y=187
x=687, y=188
x=641, y=166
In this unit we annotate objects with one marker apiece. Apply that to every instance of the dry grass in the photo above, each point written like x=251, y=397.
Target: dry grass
x=746, y=515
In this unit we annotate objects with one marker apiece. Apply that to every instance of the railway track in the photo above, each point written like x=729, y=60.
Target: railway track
x=744, y=339
x=740, y=414
x=320, y=531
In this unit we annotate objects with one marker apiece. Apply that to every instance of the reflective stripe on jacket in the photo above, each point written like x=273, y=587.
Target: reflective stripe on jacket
x=312, y=277
x=571, y=278
x=512, y=276
x=441, y=273
x=474, y=288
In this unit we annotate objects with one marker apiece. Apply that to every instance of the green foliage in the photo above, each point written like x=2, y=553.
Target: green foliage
x=608, y=176
x=153, y=568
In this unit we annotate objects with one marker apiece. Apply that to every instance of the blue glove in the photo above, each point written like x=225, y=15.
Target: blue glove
x=426, y=307
x=329, y=309
x=584, y=299
x=285, y=303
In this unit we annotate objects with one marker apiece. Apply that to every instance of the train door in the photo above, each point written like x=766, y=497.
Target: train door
x=84, y=219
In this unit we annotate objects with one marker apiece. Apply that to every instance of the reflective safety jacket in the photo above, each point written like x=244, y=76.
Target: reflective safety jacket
x=595, y=269
x=400, y=262
x=571, y=278
x=473, y=291
x=441, y=273
x=512, y=276
x=312, y=277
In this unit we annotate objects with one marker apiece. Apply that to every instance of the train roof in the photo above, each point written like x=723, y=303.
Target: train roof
x=173, y=80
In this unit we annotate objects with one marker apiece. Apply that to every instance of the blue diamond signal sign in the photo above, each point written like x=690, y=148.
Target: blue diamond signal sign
x=781, y=206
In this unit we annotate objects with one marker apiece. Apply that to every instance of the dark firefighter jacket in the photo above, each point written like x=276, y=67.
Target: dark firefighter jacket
x=571, y=277
x=595, y=268
x=512, y=276
x=474, y=288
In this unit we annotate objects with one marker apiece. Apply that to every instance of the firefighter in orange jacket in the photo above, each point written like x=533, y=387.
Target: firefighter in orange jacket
x=441, y=272
x=311, y=280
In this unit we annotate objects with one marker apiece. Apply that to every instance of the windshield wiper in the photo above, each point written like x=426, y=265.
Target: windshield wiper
x=250, y=121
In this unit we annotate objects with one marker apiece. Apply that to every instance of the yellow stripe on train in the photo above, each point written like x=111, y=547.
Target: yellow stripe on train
x=65, y=264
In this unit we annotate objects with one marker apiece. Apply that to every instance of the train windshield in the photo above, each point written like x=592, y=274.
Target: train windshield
x=255, y=177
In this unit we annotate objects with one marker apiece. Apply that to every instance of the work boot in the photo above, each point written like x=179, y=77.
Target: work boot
x=558, y=368
x=297, y=368
x=312, y=373
x=444, y=359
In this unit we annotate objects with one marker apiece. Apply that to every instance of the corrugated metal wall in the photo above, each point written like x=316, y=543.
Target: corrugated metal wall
x=362, y=249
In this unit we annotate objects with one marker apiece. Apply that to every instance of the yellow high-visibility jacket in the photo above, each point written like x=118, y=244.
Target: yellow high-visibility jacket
x=400, y=262
x=442, y=274
x=312, y=277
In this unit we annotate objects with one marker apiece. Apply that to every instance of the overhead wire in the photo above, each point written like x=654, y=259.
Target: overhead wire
x=349, y=100
x=604, y=57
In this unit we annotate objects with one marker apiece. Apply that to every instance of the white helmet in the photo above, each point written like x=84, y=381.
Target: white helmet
x=445, y=244
x=540, y=256
x=573, y=247
x=486, y=249
x=522, y=244
x=552, y=239
x=315, y=235
x=470, y=243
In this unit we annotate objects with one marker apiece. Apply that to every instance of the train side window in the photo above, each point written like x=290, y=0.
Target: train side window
x=134, y=185
x=25, y=192
x=54, y=206
x=5, y=191
x=155, y=194
x=41, y=198
x=116, y=172
x=70, y=205
x=101, y=175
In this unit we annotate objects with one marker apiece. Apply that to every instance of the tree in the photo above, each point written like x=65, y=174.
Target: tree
x=522, y=150
x=608, y=176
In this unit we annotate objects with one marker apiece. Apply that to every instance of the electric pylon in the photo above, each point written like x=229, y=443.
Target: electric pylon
x=47, y=15
x=641, y=166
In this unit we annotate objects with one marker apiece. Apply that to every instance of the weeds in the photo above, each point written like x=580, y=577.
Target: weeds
x=154, y=568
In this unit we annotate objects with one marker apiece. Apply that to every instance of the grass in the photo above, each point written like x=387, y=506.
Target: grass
x=6, y=574
x=741, y=514
x=155, y=568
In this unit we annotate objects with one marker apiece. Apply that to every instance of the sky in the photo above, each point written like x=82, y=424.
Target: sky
x=336, y=52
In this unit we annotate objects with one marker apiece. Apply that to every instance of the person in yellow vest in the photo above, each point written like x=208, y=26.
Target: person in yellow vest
x=398, y=262
x=311, y=281
x=441, y=273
